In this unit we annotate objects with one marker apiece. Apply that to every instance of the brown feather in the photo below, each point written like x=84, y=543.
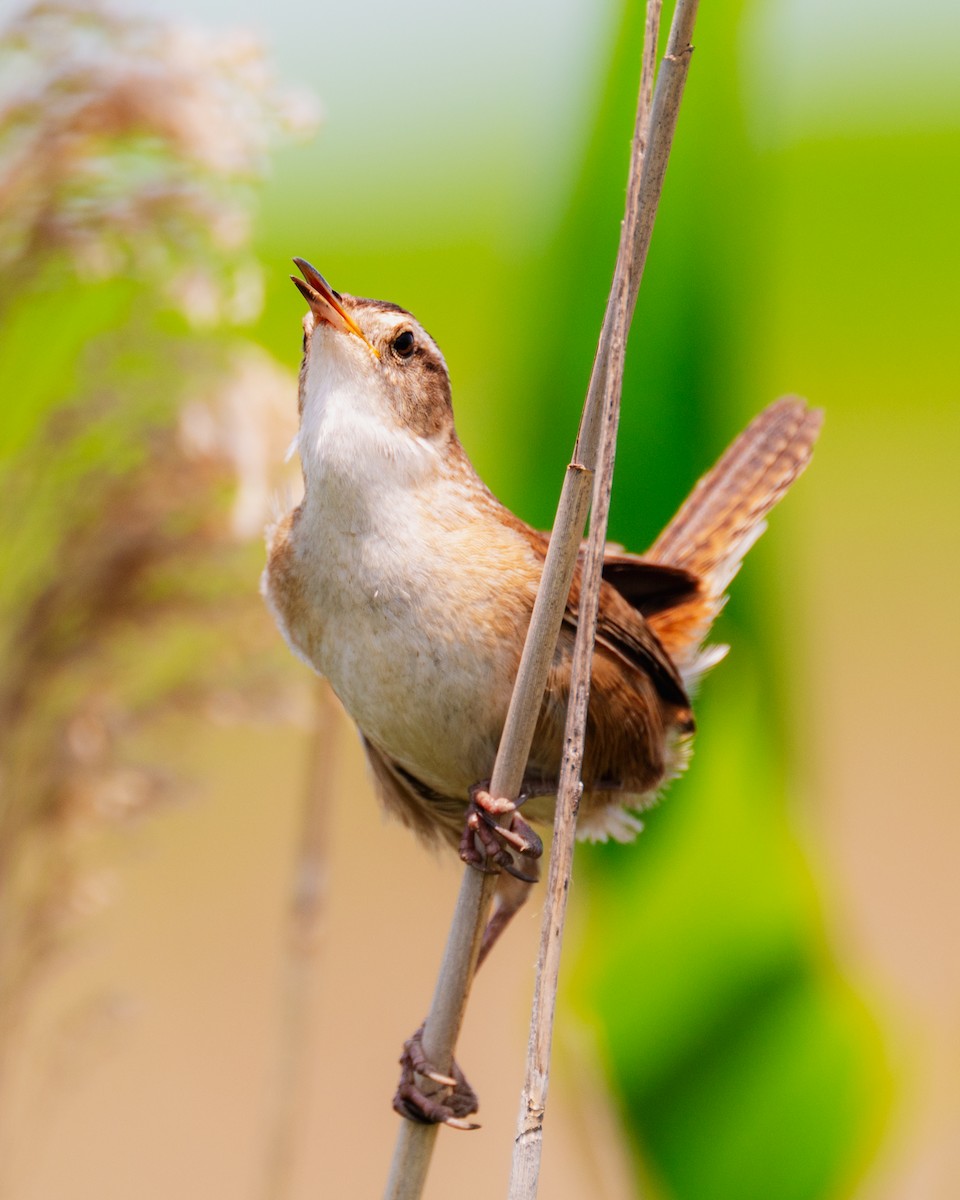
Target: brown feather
x=725, y=514
x=405, y=581
x=734, y=497
x=654, y=613
x=649, y=587
x=428, y=814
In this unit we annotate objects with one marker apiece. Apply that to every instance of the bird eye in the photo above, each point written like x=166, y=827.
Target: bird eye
x=403, y=344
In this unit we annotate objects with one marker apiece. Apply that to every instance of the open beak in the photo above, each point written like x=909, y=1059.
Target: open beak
x=325, y=303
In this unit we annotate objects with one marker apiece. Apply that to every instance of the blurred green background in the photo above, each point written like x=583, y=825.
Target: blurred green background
x=768, y=981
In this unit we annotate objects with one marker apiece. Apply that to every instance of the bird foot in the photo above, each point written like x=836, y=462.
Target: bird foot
x=487, y=842
x=454, y=1100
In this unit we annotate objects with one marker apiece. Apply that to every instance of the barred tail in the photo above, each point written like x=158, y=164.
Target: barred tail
x=724, y=515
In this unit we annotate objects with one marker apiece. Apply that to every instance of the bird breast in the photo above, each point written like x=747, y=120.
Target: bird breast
x=415, y=614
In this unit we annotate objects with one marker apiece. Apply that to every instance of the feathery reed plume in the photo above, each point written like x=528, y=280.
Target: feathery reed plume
x=133, y=496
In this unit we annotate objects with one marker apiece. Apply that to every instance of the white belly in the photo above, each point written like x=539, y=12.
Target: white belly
x=398, y=620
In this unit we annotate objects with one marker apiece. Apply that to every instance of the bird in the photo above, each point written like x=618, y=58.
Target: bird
x=404, y=581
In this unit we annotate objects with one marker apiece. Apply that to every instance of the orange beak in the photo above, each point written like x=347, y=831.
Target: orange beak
x=325, y=303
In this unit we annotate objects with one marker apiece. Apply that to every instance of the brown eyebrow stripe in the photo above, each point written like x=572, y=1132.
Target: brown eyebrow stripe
x=380, y=305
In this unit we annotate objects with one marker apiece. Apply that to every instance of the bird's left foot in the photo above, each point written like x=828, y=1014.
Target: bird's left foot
x=487, y=842
x=454, y=1100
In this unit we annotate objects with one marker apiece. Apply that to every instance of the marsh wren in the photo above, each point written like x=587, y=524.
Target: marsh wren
x=403, y=580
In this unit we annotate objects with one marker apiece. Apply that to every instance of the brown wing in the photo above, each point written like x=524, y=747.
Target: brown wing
x=650, y=587
x=636, y=693
x=623, y=631
x=637, y=586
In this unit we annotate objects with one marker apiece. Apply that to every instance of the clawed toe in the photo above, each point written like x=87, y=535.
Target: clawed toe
x=497, y=805
x=455, y=1100
x=485, y=840
x=479, y=846
x=519, y=835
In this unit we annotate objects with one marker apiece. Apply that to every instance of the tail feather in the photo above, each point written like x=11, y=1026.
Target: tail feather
x=723, y=517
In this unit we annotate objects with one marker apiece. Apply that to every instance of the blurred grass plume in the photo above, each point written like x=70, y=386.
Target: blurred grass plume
x=124, y=143
x=137, y=436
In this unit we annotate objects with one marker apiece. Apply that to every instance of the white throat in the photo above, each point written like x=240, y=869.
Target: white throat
x=356, y=458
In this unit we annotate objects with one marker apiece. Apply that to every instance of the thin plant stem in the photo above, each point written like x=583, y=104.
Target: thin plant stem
x=643, y=194
x=414, y=1146
x=305, y=915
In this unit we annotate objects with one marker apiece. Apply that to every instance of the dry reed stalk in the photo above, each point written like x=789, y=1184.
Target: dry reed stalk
x=124, y=166
x=415, y=1143
x=300, y=965
x=655, y=124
